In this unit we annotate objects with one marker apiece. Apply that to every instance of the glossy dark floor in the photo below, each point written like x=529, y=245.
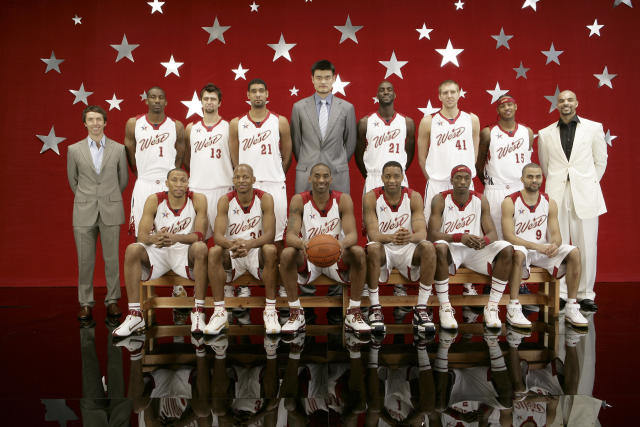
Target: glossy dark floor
x=56, y=373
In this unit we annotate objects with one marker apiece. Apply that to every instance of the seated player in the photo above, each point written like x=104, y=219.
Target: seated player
x=530, y=223
x=394, y=220
x=322, y=211
x=170, y=238
x=458, y=219
x=243, y=231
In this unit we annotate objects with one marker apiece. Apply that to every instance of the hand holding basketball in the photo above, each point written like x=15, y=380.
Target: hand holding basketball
x=324, y=250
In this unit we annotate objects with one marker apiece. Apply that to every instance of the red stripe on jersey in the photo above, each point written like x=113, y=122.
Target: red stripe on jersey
x=210, y=128
x=156, y=126
x=259, y=124
x=394, y=208
x=164, y=195
x=451, y=121
x=508, y=132
x=387, y=123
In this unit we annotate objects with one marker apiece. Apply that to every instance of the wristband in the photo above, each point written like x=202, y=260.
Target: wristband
x=486, y=240
x=457, y=237
x=200, y=236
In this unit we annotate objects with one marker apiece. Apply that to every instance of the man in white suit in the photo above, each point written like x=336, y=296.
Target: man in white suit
x=573, y=156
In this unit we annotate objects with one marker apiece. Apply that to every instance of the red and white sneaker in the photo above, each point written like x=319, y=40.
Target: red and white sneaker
x=271, y=324
x=132, y=323
x=197, y=320
x=295, y=323
x=354, y=322
x=217, y=323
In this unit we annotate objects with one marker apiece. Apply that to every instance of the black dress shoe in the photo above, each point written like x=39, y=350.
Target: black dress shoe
x=85, y=313
x=588, y=305
x=563, y=302
x=113, y=310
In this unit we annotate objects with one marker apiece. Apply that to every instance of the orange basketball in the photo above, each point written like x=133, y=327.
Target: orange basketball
x=323, y=250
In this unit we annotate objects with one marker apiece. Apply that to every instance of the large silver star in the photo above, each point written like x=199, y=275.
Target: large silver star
x=53, y=63
x=216, y=31
x=124, y=49
x=339, y=85
x=294, y=91
x=552, y=54
x=172, y=67
x=609, y=138
x=143, y=96
x=429, y=109
x=530, y=3
x=462, y=93
x=423, y=33
x=502, y=39
x=114, y=102
x=449, y=54
x=393, y=66
x=81, y=95
x=50, y=142
x=282, y=49
x=521, y=71
x=619, y=2
x=605, y=78
x=348, y=31
x=497, y=92
x=156, y=6
x=459, y=5
x=254, y=7
x=594, y=28
x=553, y=99
x=77, y=20
x=240, y=72
x=194, y=106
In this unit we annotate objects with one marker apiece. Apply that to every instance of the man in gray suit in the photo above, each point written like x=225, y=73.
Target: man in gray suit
x=323, y=129
x=97, y=172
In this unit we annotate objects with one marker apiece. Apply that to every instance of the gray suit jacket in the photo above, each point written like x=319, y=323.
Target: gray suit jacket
x=97, y=193
x=335, y=149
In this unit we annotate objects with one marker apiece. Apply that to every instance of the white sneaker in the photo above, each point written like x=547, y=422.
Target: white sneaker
x=132, y=323
x=514, y=338
x=218, y=344
x=469, y=289
x=376, y=319
x=515, y=317
x=132, y=343
x=422, y=321
x=217, y=323
x=354, y=322
x=197, y=320
x=271, y=324
x=491, y=319
x=179, y=291
x=228, y=291
x=295, y=323
x=244, y=291
x=572, y=315
x=353, y=342
x=271, y=345
x=447, y=321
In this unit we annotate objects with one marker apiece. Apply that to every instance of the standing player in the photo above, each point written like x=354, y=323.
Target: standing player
x=394, y=220
x=384, y=136
x=243, y=232
x=459, y=217
x=170, y=238
x=530, y=221
x=322, y=211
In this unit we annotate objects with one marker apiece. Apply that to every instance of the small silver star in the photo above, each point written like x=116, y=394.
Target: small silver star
x=449, y=54
x=462, y=93
x=81, y=95
x=114, y=102
x=240, y=72
x=619, y=2
x=254, y=7
x=348, y=30
x=521, y=71
x=50, y=142
x=429, y=109
x=77, y=20
x=594, y=28
x=609, y=138
x=281, y=49
x=393, y=66
x=605, y=78
x=459, y=5
x=375, y=100
x=216, y=31
x=553, y=99
x=339, y=85
x=497, y=92
x=53, y=63
x=143, y=96
x=502, y=39
x=172, y=67
x=194, y=106
x=552, y=54
x=423, y=33
x=156, y=6
x=530, y=3
x=124, y=49
x=294, y=91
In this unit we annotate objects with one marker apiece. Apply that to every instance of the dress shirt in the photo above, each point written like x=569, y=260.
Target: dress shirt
x=96, y=153
x=318, y=102
x=567, y=133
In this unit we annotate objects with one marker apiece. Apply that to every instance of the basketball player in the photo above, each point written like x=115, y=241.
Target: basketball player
x=459, y=217
x=530, y=221
x=243, y=232
x=170, y=237
x=397, y=232
x=322, y=211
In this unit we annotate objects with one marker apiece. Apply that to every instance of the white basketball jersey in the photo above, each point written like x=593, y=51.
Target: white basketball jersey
x=385, y=142
x=462, y=219
x=317, y=221
x=397, y=399
x=176, y=221
x=155, y=148
x=210, y=163
x=244, y=222
x=530, y=221
x=392, y=217
x=508, y=153
x=451, y=144
x=259, y=147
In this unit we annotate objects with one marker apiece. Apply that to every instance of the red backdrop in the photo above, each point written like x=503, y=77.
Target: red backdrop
x=37, y=246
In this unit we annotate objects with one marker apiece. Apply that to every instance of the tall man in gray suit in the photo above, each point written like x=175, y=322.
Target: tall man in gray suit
x=97, y=172
x=323, y=130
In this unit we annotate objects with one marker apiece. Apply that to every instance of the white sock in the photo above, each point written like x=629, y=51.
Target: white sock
x=569, y=301
x=353, y=304
x=294, y=304
x=423, y=359
x=218, y=306
x=515, y=301
x=442, y=290
x=134, y=306
x=442, y=357
x=497, y=288
x=424, y=292
x=374, y=296
x=199, y=303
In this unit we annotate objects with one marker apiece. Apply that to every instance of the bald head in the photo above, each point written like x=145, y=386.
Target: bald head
x=244, y=168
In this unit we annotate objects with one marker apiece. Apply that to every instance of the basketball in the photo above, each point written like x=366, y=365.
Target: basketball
x=323, y=250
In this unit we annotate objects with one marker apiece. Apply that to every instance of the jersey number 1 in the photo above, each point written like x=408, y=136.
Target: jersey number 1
x=160, y=155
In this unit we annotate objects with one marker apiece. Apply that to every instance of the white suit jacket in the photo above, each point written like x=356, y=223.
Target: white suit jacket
x=585, y=167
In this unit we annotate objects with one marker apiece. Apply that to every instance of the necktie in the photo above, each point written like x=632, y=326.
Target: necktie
x=323, y=118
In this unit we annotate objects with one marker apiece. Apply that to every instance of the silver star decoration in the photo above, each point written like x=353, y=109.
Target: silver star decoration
x=459, y=5
x=53, y=63
x=114, y=102
x=429, y=109
x=553, y=99
x=552, y=54
x=77, y=20
x=194, y=106
x=619, y=2
x=156, y=6
x=502, y=39
x=172, y=67
x=423, y=33
x=240, y=72
x=375, y=100
x=125, y=49
x=81, y=95
x=216, y=31
x=497, y=92
x=594, y=28
x=605, y=78
x=339, y=85
x=449, y=54
x=282, y=49
x=50, y=142
x=521, y=71
x=530, y=3
x=393, y=66
x=254, y=7
x=462, y=93
x=294, y=91
x=609, y=138
x=143, y=96
x=348, y=30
